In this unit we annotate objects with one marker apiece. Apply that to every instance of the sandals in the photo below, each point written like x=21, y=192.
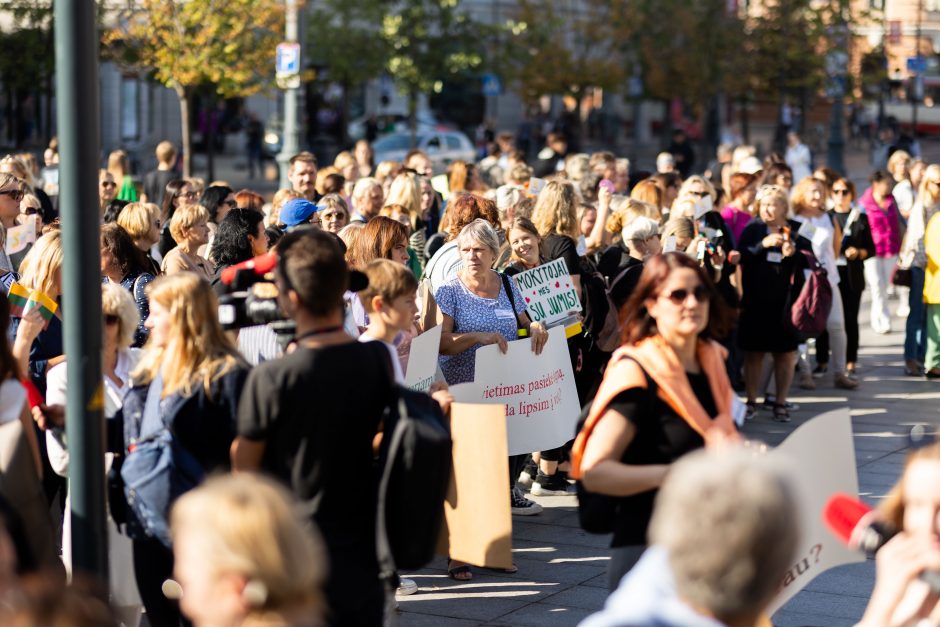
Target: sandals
x=781, y=413
x=751, y=412
x=460, y=573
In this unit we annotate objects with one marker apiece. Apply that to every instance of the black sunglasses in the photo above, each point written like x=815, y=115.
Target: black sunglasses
x=840, y=192
x=699, y=194
x=15, y=194
x=702, y=294
x=111, y=319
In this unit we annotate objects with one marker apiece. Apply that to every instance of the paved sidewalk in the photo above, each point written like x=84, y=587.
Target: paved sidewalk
x=562, y=569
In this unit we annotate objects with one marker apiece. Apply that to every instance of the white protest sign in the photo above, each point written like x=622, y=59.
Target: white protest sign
x=538, y=391
x=19, y=237
x=549, y=292
x=422, y=360
x=822, y=458
x=670, y=244
x=536, y=185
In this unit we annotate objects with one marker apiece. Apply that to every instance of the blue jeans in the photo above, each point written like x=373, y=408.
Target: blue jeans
x=915, y=337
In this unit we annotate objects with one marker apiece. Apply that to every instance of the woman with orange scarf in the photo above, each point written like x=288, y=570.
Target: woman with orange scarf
x=665, y=393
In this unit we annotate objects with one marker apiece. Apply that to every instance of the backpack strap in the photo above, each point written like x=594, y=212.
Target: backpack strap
x=512, y=301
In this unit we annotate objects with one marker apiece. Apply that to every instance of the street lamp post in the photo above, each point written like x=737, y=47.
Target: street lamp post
x=291, y=130
x=836, y=68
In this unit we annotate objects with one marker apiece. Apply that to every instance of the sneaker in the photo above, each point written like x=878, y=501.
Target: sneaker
x=529, y=472
x=821, y=369
x=806, y=381
x=406, y=587
x=844, y=382
x=903, y=311
x=550, y=486
x=771, y=400
x=751, y=412
x=781, y=414
x=521, y=506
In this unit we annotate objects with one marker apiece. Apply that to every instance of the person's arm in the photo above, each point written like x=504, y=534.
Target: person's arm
x=600, y=236
x=899, y=598
x=29, y=328
x=456, y=343
x=602, y=470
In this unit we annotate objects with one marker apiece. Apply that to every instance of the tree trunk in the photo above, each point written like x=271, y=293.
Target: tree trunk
x=209, y=139
x=185, y=135
x=666, y=138
x=413, y=116
x=745, y=121
x=344, y=115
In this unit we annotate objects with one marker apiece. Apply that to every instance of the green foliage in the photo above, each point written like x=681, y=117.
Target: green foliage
x=345, y=38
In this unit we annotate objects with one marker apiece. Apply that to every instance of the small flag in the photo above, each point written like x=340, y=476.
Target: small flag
x=19, y=237
x=23, y=300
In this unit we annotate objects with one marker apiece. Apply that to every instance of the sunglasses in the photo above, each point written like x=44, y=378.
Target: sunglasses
x=679, y=296
x=108, y=184
x=699, y=194
x=31, y=211
x=840, y=192
x=14, y=194
x=189, y=195
x=110, y=319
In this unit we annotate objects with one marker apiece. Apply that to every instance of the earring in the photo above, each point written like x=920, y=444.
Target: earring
x=172, y=590
x=255, y=593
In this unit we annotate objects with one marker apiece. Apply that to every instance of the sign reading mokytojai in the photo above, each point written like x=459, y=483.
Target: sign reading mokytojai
x=549, y=292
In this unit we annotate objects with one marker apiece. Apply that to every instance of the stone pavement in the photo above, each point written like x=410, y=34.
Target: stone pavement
x=562, y=569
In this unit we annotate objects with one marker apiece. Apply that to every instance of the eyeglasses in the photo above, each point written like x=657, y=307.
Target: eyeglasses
x=699, y=194
x=108, y=184
x=679, y=296
x=840, y=192
x=189, y=195
x=31, y=211
x=15, y=194
x=110, y=319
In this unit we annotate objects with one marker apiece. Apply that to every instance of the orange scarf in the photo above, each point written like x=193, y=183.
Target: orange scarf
x=661, y=363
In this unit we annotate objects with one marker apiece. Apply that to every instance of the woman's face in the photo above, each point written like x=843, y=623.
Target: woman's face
x=109, y=264
x=748, y=195
x=883, y=188
x=210, y=598
x=333, y=218
x=198, y=234
x=10, y=202
x=476, y=257
x=784, y=180
x=672, y=192
x=158, y=322
x=399, y=253
x=427, y=196
x=817, y=197
x=525, y=246
x=771, y=211
x=259, y=241
x=901, y=169
x=107, y=188
x=681, y=306
x=921, y=488
x=186, y=195
x=363, y=153
x=154, y=235
x=841, y=195
x=588, y=220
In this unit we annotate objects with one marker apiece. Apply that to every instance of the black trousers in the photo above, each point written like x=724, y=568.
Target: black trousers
x=851, y=303
x=153, y=564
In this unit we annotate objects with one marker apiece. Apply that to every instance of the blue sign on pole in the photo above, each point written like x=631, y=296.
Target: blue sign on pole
x=288, y=58
x=917, y=64
x=492, y=86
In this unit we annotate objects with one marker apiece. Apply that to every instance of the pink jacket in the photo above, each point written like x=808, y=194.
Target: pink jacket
x=736, y=219
x=885, y=224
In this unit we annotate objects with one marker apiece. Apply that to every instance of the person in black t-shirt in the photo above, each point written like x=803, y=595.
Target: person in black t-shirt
x=155, y=181
x=304, y=419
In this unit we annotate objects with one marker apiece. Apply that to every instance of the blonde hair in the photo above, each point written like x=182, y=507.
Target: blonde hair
x=166, y=152
x=117, y=165
x=186, y=217
x=42, y=263
x=385, y=169
x=322, y=173
x=406, y=192
x=799, y=197
x=19, y=167
x=197, y=348
x=343, y=160
x=30, y=201
x=577, y=166
x=280, y=198
x=627, y=210
x=694, y=179
x=896, y=157
x=647, y=191
x=679, y=227
x=117, y=301
x=926, y=197
x=137, y=218
x=556, y=210
x=248, y=525
x=388, y=280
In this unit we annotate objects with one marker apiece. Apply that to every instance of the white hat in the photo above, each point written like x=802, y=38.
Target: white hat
x=750, y=165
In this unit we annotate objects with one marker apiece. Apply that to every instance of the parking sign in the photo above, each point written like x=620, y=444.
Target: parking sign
x=287, y=65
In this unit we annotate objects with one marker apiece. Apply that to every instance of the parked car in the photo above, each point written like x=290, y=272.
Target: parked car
x=443, y=148
x=395, y=122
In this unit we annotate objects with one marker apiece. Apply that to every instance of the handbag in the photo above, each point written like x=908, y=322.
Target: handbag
x=902, y=276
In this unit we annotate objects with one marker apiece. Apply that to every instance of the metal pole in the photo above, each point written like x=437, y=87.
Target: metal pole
x=915, y=83
x=76, y=56
x=291, y=145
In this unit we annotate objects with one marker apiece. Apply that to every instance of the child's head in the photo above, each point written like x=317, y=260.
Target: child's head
x=391, y=293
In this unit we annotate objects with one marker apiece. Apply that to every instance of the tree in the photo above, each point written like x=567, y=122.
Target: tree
x=27, y=71
x=345, y=37
x=228, y=44
x=565, y=48
x=429, y=41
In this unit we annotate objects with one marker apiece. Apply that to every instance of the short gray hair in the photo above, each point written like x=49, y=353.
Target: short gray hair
x=640, y=229
x=730, y=555
x=364, y=186
x=479, y=232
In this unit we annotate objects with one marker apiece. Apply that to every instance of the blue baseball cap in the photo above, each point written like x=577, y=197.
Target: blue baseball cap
x=297, y=211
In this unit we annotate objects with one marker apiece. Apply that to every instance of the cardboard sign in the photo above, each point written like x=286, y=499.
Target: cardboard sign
x=19, y=237
x=822, y=457
x=422, y=360
x=477, y=521
x=536, y=392
x=549, y=292
x=536, y=185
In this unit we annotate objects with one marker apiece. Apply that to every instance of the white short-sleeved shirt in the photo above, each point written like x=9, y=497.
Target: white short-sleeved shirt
x=393, y=353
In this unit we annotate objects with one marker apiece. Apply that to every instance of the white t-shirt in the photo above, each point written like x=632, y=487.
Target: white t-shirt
x=443, y=266
x=822, y=238
x=393, y=353
x=13, y=396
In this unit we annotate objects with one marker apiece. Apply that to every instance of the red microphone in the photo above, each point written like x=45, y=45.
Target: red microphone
x=261, y=266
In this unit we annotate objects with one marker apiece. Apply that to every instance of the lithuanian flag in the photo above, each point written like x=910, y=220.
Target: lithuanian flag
x=23, y=300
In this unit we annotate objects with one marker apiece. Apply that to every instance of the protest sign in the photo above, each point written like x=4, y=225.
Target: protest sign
x=822, y=458
x=422, y=360
x=537, y=392
x=477, y=521
x=549, y=292
x=19, y=237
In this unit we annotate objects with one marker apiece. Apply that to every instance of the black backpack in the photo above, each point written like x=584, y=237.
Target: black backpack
x=598, y=513
x=601, y=322
x=415, y=465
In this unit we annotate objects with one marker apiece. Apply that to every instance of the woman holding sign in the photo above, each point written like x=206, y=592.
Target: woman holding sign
x=482, y=307
x=665, y=393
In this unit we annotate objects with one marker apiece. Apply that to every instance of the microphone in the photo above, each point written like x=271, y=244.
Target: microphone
x=261, y=266
x=847, y=517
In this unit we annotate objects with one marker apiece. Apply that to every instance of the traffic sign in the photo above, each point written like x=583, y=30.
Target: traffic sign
x=917, y=65
x=287, y=65
x=492, y=86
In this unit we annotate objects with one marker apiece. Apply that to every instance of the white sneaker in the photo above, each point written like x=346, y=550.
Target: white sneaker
x=903, y=311
x=406, y=587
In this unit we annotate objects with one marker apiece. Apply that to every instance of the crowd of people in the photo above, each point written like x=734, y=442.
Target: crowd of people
x=700, y=272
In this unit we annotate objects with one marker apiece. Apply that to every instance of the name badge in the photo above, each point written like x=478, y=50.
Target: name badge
x=774, y=257
x=842, y=261
x=505, y=314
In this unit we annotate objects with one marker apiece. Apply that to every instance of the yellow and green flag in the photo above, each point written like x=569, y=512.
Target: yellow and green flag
x=23, y=300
